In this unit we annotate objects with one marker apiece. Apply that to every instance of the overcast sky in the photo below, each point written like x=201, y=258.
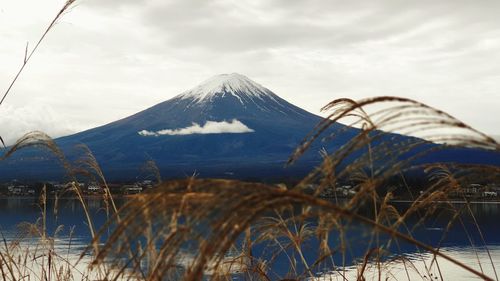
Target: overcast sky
x=107, y=59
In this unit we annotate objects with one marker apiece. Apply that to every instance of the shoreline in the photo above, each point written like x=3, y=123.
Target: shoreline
x=124, y=196
x=450, y=201
x=89, y=196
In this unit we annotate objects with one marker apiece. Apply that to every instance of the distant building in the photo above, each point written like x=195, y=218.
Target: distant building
x=94, y=187
x=72, y=184
x=146, y=184
x=490, y=194
x=131, y=189
x=20, y=190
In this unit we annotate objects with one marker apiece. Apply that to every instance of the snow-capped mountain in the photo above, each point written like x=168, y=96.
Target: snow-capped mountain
x=227, y=125
x=233, y=84
x=250, y=94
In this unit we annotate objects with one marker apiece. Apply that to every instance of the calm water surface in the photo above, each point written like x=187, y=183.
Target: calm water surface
x=463, y=241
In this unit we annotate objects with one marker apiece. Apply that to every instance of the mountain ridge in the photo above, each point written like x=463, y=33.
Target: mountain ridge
x=228, y=126
x=197, y=130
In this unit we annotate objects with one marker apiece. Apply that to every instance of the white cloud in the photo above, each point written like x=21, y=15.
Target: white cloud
x=15, y=121
x=210, y=127
x=146, y=133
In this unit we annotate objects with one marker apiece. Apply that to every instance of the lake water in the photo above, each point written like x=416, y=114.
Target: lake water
x=462, y=241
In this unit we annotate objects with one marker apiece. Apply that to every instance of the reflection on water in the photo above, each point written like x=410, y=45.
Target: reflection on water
x=462, y=241
x=68, y=237
x=64, y=212
x=463, y=229
x=424, y=266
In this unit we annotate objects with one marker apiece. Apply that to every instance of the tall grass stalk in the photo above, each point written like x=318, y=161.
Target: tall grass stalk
x=198, y=229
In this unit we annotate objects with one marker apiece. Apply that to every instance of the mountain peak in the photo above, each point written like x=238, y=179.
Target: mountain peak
x=234, y=84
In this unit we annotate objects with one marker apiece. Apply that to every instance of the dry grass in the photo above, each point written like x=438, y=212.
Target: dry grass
x=34, y=254
x=220, y=222
x=28, y=54
x=216, y=229
x=195, y=228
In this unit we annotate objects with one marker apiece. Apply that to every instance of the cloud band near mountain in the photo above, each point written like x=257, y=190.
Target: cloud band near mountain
x=210, y=127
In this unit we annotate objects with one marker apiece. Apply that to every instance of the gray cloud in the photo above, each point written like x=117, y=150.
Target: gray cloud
x=109, y=59
x=227, y=26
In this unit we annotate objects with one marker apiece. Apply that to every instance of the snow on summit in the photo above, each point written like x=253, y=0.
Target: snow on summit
x=234, y=84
